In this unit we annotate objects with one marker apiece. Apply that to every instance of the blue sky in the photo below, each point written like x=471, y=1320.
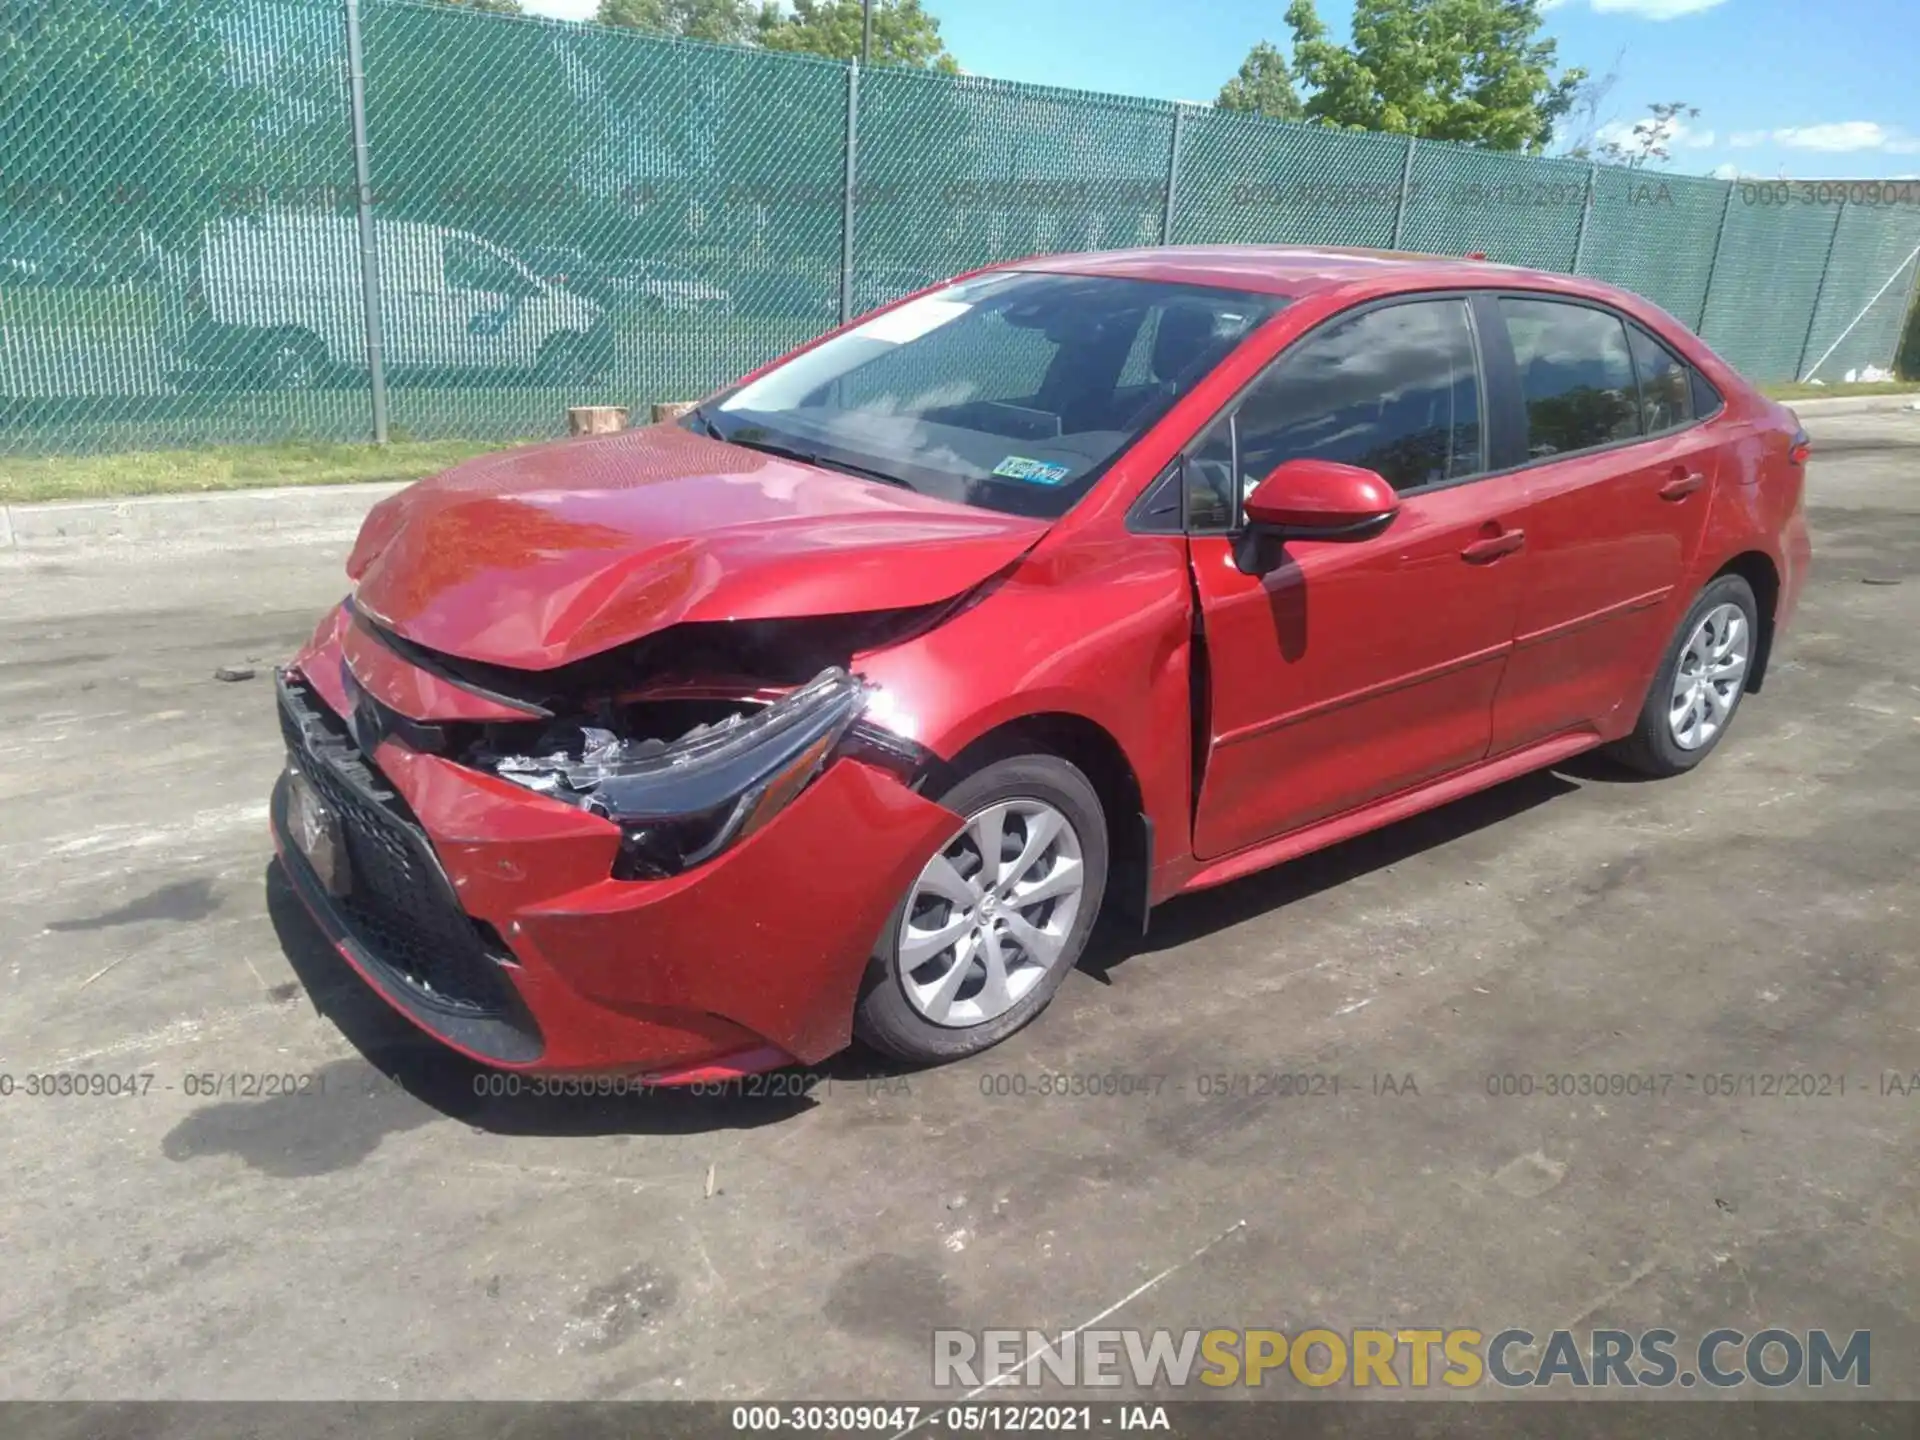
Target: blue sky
x=1784, y=87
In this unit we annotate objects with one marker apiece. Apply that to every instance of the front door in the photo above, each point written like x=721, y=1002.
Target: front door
x=1357, y=667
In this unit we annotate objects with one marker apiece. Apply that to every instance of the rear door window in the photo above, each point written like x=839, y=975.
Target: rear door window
x=1576, y=375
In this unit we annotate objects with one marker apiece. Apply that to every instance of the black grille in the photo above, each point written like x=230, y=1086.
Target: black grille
x=399, y=904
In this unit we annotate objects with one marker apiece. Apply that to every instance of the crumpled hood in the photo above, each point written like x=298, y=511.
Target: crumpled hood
x=537, y=557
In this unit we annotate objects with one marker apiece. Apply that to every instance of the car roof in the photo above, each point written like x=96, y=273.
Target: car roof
x=1297, y=270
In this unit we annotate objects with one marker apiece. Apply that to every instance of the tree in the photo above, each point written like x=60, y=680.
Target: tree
x=1470, y=71
x=121, y=117
x=473, y=123
x=1581, y=125
x=486, y=7
x=1650, y=138
x=1906, y=363
x=1263, y=86
x=903, y=33
x=725, y=22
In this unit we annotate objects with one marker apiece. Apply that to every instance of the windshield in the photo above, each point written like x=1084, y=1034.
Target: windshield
x=1012, y=392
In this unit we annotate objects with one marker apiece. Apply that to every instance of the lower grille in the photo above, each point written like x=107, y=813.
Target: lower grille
x=399, y=904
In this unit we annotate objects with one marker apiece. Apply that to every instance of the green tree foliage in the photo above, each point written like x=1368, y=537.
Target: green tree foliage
x=486, y=7
x=725, y=22
x=454, y=146
x=1907, y=363
x=1263, y=86
x=903, y=33
x=1473, y=71
x=121, y=116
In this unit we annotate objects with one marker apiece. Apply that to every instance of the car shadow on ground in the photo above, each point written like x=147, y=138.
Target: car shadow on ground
x=505, y=1104
x=1191, y=917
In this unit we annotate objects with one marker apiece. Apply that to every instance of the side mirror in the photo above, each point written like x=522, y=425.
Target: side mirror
x=1311, y=500
x=1321, y=500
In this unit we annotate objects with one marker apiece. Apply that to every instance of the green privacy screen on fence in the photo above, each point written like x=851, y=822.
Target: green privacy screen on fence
x=562, y=214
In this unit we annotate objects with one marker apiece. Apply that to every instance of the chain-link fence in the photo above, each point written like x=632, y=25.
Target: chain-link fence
x=198, y=244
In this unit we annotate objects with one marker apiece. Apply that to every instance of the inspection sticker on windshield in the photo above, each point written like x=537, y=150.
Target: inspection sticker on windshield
x=1040, y=472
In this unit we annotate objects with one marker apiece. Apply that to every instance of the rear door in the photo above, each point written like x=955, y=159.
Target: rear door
x=1358, y=667
x=1620, y=477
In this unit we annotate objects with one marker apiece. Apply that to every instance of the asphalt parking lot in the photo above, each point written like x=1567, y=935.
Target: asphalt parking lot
x=388, y=1232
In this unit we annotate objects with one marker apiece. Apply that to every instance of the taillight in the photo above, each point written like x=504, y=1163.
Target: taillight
x=1801, y=448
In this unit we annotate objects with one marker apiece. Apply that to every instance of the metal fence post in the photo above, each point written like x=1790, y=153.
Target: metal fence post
x=1826, y=267
x=1713, y=265
x=1586, y=215
x=1173, y=173
x=846, y=207
x=1406, y=184
x=369, y=241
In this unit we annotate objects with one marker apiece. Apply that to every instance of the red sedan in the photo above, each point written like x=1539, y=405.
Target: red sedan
x=847, y=704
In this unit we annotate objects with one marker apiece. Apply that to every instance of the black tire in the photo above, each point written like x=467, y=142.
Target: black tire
x=886, y=1019
x=1652, y=749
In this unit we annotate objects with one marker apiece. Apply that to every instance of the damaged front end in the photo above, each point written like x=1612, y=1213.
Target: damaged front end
x=689, y=740
x=686, y=778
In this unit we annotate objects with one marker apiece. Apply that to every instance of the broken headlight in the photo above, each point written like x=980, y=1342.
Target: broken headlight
x=680, y=802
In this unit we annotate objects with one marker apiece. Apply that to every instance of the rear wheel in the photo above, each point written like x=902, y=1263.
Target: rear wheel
x=995, y=920
x=1699, y=683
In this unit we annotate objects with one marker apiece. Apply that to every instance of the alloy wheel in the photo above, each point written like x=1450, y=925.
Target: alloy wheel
x=990, y=914
x=1709, y=677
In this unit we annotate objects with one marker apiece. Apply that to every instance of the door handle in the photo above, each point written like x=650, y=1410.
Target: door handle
x=1481, y=552
x=1682, y=484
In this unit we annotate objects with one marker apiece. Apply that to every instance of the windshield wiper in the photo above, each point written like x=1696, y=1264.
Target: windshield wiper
x=789, y=452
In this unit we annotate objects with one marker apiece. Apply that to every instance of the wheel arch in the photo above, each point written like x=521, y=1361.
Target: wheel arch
x=1762, y=575
x=1098, y=754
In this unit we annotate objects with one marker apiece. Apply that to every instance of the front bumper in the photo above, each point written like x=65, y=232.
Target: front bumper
x=518, y=948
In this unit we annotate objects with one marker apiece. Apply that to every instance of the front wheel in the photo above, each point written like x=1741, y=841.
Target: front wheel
x=995, y=920
x=1699, y=684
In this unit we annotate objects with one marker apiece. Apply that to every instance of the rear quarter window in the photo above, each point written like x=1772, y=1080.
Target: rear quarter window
x=1706, y=399
x=1666, y=383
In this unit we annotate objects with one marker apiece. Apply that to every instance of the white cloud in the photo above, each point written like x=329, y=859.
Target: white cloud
x=1652, y=9
x=1726, y=172
x=1835, y=137
x=1840, y=135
